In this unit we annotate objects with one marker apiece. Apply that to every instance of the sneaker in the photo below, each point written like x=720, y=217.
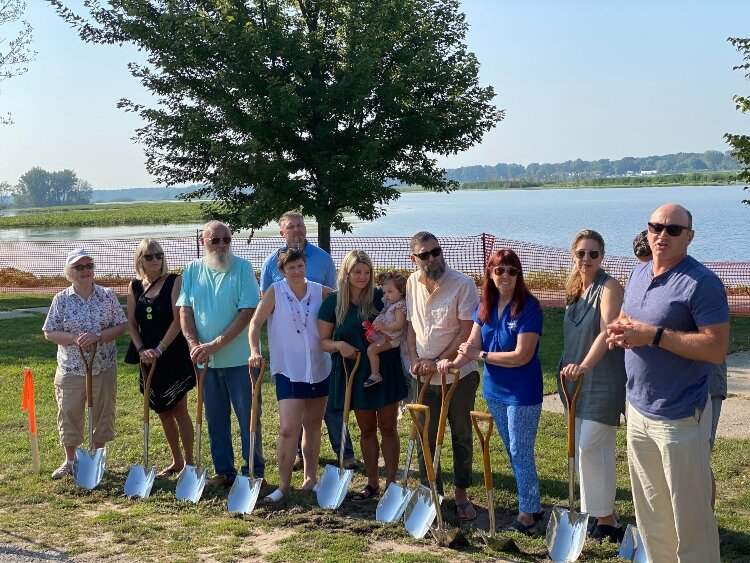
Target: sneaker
x=604, y=532
x=351, y=463
x=220, y=480
x=374, y=379
x=65, y=469
x=299, y=463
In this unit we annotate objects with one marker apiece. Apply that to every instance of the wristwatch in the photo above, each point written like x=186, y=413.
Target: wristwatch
x=657, y=336
x=98, y=336
x=483, y=355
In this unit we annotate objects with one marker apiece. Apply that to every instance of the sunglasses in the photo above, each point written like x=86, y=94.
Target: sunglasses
x=672, y=230
x=581, y=254
x=512, y=272
x=217, y=240
x=435, y=252
x=82, y=267
x=157, y=255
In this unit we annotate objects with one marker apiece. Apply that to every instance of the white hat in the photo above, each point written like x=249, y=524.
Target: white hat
x=75, y=255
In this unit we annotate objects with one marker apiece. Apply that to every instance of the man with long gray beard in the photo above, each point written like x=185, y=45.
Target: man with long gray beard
x=440, y=304
x=218, y=298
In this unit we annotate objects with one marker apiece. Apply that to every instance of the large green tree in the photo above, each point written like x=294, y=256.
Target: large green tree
x=15, y=41
x=741, y=143
x=40, y=188
x=323, y=105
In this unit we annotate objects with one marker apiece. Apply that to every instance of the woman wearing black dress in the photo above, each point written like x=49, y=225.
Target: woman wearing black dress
x=155, y=332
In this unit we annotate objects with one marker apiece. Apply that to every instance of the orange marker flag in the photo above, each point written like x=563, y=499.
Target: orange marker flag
x=27, y=404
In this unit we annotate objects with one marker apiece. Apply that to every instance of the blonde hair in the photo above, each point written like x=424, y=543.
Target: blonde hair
x=342, y=287
x=146, y=246
x=574, y=285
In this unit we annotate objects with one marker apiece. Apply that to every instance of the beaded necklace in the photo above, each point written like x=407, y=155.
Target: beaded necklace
x=296, y=313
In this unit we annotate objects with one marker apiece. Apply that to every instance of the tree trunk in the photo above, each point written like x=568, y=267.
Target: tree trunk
x=324, y=235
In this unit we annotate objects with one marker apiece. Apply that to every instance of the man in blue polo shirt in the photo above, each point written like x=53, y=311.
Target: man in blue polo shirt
x=218, y=297
x=673, y=325
x=320, y=269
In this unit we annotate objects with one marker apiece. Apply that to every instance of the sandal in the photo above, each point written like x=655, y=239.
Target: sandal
x=275, y=496
x=466, y=511
x=521, y=528
x=367, y=492
x=167, y=472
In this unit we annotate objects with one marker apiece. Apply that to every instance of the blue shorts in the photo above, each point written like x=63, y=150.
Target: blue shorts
x=286, y=389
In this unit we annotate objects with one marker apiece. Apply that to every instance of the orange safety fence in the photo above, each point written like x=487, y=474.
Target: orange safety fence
x=37, y=266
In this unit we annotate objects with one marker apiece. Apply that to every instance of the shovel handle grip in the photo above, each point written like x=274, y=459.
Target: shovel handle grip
x=147, y=387
x=349, y=375
x=570, y=403
x=89, y=365
x=255, y=386
x=200, y=376
x=484, y=441
x=420, y=400
x=447, y=393
x=421, y=427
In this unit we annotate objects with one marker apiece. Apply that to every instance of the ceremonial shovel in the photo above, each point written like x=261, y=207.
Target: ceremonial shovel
x=140, y=479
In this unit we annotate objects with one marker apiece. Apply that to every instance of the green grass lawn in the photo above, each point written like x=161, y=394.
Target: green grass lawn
x=104, y=525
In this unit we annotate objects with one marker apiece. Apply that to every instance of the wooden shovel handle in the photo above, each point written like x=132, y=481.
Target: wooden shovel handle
x=200, y=376
x=446, y=395
x=484, y=441
x=89, y=365
x=255, y=385
x=415, y=410
x=147, y=387
x=571, y=408
x=349, y=384
x=420, y=400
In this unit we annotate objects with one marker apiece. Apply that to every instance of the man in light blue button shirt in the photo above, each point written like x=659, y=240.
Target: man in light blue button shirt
x=218, y=297
x=320, y=269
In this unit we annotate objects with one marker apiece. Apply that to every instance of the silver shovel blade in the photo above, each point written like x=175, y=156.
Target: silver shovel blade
x=566, y=534
x=420, y=512
x=333, y=486
x=139, y=481
x=631, y=547
x=393, y=503
x=88, y=467
x=243, y=495
x=190, y=484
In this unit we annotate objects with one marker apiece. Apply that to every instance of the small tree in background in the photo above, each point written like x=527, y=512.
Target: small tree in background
x=322, y=105
x=14, y=49
x=741, y=143
x=40, y=188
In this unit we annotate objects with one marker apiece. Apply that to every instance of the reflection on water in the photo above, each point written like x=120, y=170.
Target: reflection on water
x=549, y=217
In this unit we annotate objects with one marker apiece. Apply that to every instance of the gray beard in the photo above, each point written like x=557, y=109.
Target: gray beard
x=434, y=271
x=218, y=262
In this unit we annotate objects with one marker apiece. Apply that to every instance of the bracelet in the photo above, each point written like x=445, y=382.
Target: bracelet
x=162, y=346
x=140, y=349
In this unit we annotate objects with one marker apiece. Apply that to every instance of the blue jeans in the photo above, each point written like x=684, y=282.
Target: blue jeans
x=224, y=387
x=517, y=426
x=334, y=420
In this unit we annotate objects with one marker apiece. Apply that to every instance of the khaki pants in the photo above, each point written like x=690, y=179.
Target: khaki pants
x=70, y=392
x=671, y=478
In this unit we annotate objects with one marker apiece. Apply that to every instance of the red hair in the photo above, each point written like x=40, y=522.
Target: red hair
x=490, y=294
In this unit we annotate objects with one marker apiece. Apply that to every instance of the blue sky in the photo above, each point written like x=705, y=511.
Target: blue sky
x=578, y=79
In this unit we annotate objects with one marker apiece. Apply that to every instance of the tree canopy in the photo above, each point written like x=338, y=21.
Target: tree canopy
x=321, y=105
x=39, y=188
x=15, y=53
x=741, y=143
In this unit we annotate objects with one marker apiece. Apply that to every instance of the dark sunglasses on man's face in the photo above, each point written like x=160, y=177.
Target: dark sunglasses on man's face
x=672, y=230
x=82, y=267
x=512, y=272
x=435, y=252
x=217, y=240
x=593, y=254
x=157, y=255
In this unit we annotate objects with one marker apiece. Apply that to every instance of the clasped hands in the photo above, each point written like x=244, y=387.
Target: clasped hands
x=628, y=333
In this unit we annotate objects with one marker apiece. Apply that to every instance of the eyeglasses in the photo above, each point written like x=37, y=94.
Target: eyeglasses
x=157, y=255
x=435, y=252
x=217, y=240
x=512, y=272
x=581, y=254
x=82, y=267
x=672, y=230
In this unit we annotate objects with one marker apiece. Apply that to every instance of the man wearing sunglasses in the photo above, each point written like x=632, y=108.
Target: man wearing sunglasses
x=440, y=303
x=320, y=269
x=218, y=297
x=674, y=324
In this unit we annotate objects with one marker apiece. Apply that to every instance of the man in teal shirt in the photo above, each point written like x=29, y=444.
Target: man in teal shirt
x=218, y=297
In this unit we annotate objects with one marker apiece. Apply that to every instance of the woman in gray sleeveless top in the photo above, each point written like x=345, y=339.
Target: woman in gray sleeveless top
x=594, y=299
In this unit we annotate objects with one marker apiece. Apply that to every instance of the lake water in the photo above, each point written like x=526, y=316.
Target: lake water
x=550, y=217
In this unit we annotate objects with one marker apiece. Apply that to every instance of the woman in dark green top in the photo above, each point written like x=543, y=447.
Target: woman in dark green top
x=341, y=333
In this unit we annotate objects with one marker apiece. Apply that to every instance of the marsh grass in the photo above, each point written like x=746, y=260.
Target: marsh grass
x=103, y=525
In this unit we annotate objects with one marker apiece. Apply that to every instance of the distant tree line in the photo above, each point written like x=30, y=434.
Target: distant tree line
x=678, y=163
x=40, y=188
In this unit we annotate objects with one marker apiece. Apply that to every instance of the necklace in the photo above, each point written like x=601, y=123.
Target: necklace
x=296, y=314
